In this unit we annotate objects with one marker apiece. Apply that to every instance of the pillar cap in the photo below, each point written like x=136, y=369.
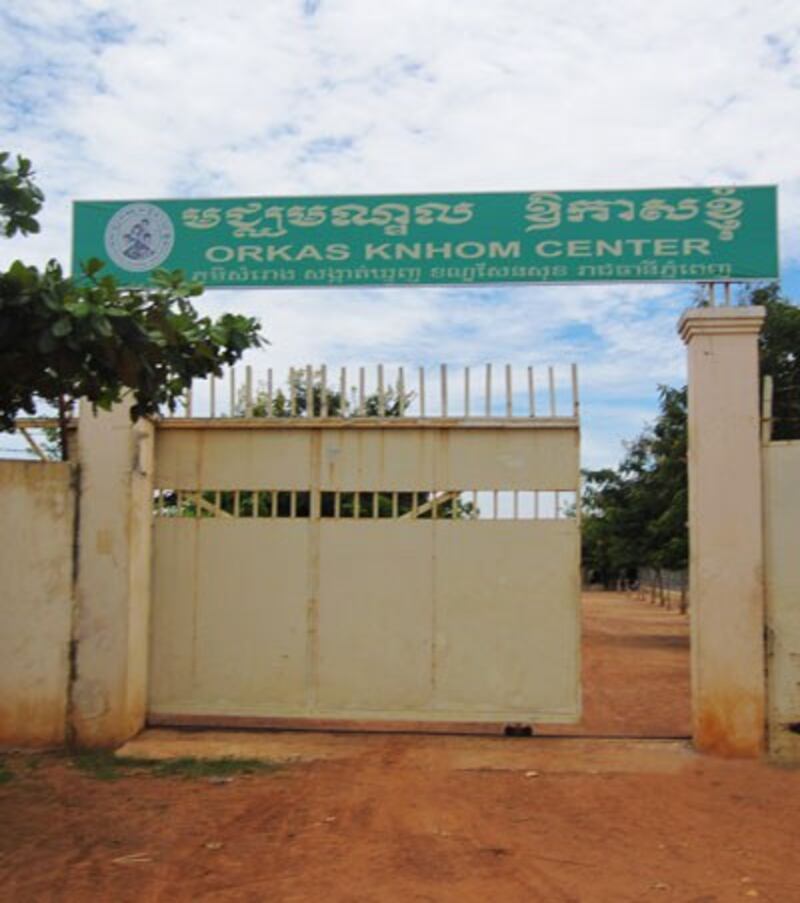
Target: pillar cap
x=699, y=321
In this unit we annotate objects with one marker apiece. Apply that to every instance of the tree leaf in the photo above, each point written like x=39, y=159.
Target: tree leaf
x=62, y=327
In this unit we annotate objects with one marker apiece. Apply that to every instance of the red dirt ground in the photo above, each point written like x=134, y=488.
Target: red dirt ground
x=415, y=818
x=635, y=669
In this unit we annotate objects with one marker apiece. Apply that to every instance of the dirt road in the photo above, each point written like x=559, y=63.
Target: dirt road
x=635, y=669
x=410, y=818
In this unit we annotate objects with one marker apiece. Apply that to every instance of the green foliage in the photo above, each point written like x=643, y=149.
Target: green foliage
x=187, y=767
x=779, y=352
x=636, y=516
x=100, y=764
x=63, y=339
x=20, y=198
x=394, y=404
x=6, y=774
x=59, y=340
x=208, y=503
x=105, y=766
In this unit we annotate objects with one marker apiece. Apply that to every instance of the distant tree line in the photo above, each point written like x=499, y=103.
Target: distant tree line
x=635, y=516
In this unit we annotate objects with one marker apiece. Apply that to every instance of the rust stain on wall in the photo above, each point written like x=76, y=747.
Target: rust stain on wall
x=33, y=721
x=731, y=725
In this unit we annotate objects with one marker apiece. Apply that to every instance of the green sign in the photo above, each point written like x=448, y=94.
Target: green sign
x=669, y=235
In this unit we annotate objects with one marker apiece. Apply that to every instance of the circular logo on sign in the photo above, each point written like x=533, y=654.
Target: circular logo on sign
x=139, y=237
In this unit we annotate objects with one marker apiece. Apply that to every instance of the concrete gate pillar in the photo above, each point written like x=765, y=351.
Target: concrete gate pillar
x=110, y=635
x=725, y=530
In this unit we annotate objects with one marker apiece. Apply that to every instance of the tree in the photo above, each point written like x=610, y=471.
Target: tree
x=779, y=354
x=636, y=516
x=20, y=198
x=395, y=404
x=608, y=545
x=62, y=339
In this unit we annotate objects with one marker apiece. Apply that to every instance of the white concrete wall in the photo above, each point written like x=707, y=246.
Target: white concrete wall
x=113, y=584
x=782, y=548
x=36, y=539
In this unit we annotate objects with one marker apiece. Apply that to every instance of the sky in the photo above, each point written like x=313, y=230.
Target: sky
x=210, y=98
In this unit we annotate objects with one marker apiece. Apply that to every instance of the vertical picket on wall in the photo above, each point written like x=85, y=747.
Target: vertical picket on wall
x=439, y=392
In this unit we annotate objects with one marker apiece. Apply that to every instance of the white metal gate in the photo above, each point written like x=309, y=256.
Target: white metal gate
x=401, y=568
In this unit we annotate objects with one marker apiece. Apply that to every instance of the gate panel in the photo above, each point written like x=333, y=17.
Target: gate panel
x=366, y=570
x=230, y=619
x=375, y=617
x=507, y=618
x=172, y=618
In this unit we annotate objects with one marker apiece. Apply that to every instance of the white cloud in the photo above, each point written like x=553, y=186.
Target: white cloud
x=208, y=97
